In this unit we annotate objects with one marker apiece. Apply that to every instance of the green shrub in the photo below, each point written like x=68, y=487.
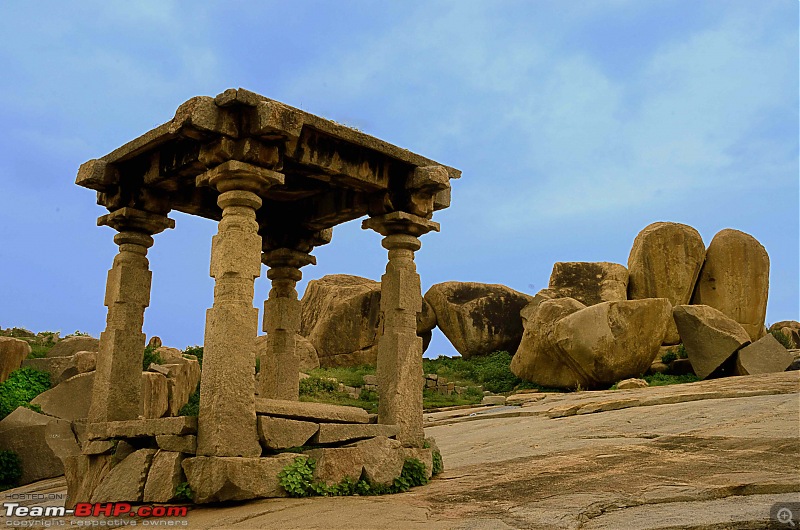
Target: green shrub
x=314, y=385
x=21, y=386
x=297, y=479
x=493, y=371
x=681, y=350
x=150, y=356
x=669, y=357
x=665, y=379
x=197, y=351
x=783, y=338
x=192, y=407
x=40, y=350
x=10, y=469
x=438, y=464
x=183, y=492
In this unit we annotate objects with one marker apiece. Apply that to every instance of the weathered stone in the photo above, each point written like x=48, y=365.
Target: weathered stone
x=631, y=383
x=182, y=380
x=335, y=464
x=168, y=355
x=41, y=442
x=477, y=318
x=382, y=459
x=155, y=395
x=219, y=479
x=12, y=353
x=536, y=358
x=766, y=355
x=665, y=262
x=493, y=400
x=83, y=474
x=319, y=412
x=69, y=346
x=70, y=399
x=154, y=342
x=610, y=341
x=186, y=443
x=164, y=476
x=790, y=328
x=305, y=351
x=735, y=280
x=282, y=433
x=710, y=337
x=97, y=447
x=126, y=480
x=658, y=368
x=424, y=455
x=178, y=426
x=341, y=432
x=588, y=282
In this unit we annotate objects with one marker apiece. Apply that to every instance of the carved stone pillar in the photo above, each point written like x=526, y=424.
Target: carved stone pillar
x=400, y=378
x=227, y=418
x=280, y=364
x=117, y=388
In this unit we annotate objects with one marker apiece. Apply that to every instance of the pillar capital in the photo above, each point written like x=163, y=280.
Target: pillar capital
x=287, y=257
x=400, y=223
x=133, y=220
x=236, y=175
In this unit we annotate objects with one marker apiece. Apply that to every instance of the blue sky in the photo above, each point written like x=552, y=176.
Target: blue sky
x=576, y=124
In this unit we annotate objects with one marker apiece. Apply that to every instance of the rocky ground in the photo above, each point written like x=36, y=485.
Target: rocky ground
x=713, y=454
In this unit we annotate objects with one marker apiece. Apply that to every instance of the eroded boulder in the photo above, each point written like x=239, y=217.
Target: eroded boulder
x=610, y=341
x=710, y=337
x=69, y=346
x=664, y=262
x=735, y=280
x=589, y=282
x=62, y=368
x=764, y=356
x=478, y=318
x=12, y=353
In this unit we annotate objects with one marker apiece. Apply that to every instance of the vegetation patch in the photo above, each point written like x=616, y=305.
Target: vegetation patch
x=297, y=479
x=783, y=338
x=20, y=388
x=192, y=407
x=352, y=376
x=197, y=351
x=183, y=492
x=10, y=469
x=150, y=357
x=666, y=379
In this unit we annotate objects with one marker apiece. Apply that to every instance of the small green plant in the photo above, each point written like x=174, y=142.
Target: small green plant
x=33, y=407
x=438, y=464
x=681, y=351
x=78, y=334
x=192, y=407
x=669, y=357
x=297, y=478
x=10, y=469
x=368, y=395
x=150, y=357
x=21, y=387
x=183, y=492
x=197, y=351
x=783, y=338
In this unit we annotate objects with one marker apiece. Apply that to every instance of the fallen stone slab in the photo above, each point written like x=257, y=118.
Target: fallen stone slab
x=764, y=356
x=181, y=444
x=302, y=410
x=125, y=482
x=218, y=479
x=339, y=432
x=69, y=400
x=179, y=425
x=283, y=433
x=165, y=474
x=709, y=336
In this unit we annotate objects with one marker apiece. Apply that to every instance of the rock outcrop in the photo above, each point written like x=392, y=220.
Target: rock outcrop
x=478, y=318
x=735, y=280
x=12, y=353
x=664, y=262
x=590, y=282
x=62, y=368
x=610, y=341
x=69, y=346
x=710, y=337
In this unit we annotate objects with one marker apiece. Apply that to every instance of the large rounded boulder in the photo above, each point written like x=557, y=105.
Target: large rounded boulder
x=341, y=318
x=478, y=318
x=735, y=280
x=589, y=282
x=12, y=353
x=611, y=341
x=664, y=262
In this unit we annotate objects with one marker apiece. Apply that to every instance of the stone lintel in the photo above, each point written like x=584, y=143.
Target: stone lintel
x=400, y=223
x=429, y=179
x=236, y=175
x=132, y=219
x=320, y=412
x=342, y=432
x=96, y=175
x=181, y=444
x=179, y=425
x=286, y=257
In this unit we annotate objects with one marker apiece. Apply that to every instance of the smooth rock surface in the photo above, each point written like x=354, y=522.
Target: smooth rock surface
x=589, y=282
x=709, y=336
x=735, y=280
x=478, y=318
x=70, y=399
